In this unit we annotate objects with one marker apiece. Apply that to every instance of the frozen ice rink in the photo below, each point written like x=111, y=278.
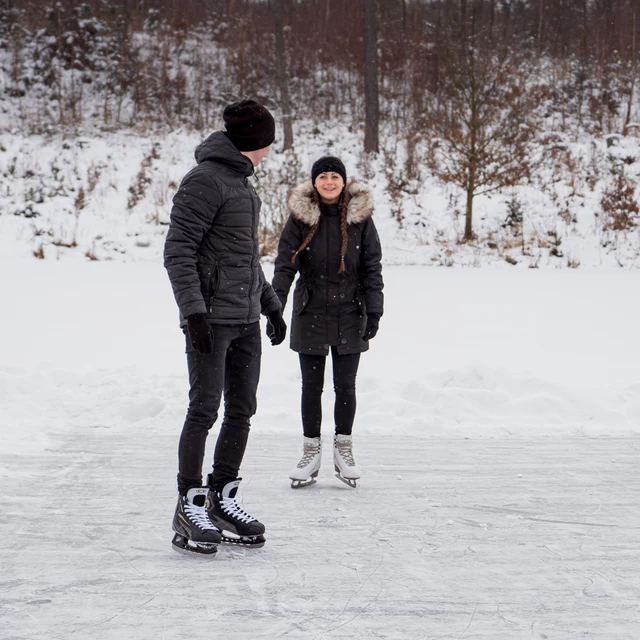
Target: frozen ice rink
x=497, y=432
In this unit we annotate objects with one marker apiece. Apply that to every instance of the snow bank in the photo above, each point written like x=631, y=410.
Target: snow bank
x=460, y=352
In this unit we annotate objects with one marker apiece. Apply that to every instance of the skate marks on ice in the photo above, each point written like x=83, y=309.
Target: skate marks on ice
x=496, y=539
x=437, y=545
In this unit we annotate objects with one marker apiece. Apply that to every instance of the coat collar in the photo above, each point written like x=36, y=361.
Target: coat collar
x=218, y=147
x=303, y=205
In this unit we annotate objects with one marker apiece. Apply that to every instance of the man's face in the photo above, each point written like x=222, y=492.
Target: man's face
x=256, y=156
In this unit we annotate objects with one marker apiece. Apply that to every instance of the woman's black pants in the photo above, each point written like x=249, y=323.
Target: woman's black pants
x=345, y=368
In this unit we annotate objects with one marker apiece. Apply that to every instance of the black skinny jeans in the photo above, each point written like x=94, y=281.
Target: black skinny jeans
x=345, y=368
x=233, y=369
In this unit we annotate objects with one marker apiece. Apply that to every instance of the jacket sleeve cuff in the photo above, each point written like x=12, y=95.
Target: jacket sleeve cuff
x=193, y=309
x=274, y=305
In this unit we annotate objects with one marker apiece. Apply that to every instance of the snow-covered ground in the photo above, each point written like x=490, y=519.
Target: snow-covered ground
x=497, y=428
x=108, y=197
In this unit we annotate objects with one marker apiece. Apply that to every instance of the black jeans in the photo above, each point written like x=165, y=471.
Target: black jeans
x=233, y=369
x=345, y=368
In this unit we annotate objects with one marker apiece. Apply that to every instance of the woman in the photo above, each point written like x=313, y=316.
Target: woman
x=330, y=239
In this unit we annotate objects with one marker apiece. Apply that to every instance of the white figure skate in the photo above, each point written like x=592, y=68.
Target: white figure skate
x=306, y=471
x=345, y=466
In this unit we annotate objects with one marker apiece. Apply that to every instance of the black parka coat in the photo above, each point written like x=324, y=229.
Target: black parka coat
x=211, y=249
x=330, y=308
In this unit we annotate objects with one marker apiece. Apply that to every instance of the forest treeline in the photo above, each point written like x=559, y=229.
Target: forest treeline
x=482, y=80
x=174, y=62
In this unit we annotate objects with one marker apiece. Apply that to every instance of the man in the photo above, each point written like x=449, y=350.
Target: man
x=211, y=256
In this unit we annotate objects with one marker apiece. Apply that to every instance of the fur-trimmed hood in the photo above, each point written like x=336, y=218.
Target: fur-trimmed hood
x=304, y=207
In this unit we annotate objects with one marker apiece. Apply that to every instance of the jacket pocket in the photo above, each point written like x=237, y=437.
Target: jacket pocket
x=214, y=282
x=362, y=307
x=301, y=301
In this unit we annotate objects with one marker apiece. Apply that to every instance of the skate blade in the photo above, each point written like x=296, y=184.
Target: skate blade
x=189, y=548
x=348, y=481
x=254, y=542
x=298, y=484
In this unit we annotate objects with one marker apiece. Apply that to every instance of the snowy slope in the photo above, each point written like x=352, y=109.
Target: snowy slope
x=128, y=179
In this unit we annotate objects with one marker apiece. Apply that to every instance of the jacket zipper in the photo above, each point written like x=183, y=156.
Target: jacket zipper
x=253, y=225
x=326, y=281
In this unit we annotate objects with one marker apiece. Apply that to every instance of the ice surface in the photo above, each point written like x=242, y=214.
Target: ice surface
x=497, y=430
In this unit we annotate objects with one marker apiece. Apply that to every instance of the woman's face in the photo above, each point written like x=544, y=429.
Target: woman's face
x=329, y=186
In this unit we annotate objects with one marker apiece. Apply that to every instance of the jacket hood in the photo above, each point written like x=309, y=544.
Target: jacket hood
x=303, y=205
x=218, y=147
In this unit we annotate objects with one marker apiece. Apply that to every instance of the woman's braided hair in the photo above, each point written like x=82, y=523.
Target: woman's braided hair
x=343, y=228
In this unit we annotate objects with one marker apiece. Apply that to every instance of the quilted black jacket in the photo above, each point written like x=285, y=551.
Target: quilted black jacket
x=211, y=249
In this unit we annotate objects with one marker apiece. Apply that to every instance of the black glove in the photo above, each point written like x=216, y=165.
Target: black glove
x=276, y=327
x=371, y=329
x=200, y=333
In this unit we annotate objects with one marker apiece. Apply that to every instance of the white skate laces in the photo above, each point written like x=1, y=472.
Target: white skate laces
x=230, y=507
x=198, y=515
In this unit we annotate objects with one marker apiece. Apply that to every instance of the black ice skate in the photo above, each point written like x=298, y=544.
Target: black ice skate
x=194, y=533
x=236, y=526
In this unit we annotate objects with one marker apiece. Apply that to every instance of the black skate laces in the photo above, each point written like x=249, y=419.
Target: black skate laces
x=230, y=507
x=198, y=515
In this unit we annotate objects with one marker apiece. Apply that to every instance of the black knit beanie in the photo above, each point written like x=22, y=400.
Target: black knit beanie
x=325, y=164
x=249, y=125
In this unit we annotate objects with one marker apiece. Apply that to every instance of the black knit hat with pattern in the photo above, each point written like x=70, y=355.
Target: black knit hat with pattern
x=249, y=125
x=326, y=164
